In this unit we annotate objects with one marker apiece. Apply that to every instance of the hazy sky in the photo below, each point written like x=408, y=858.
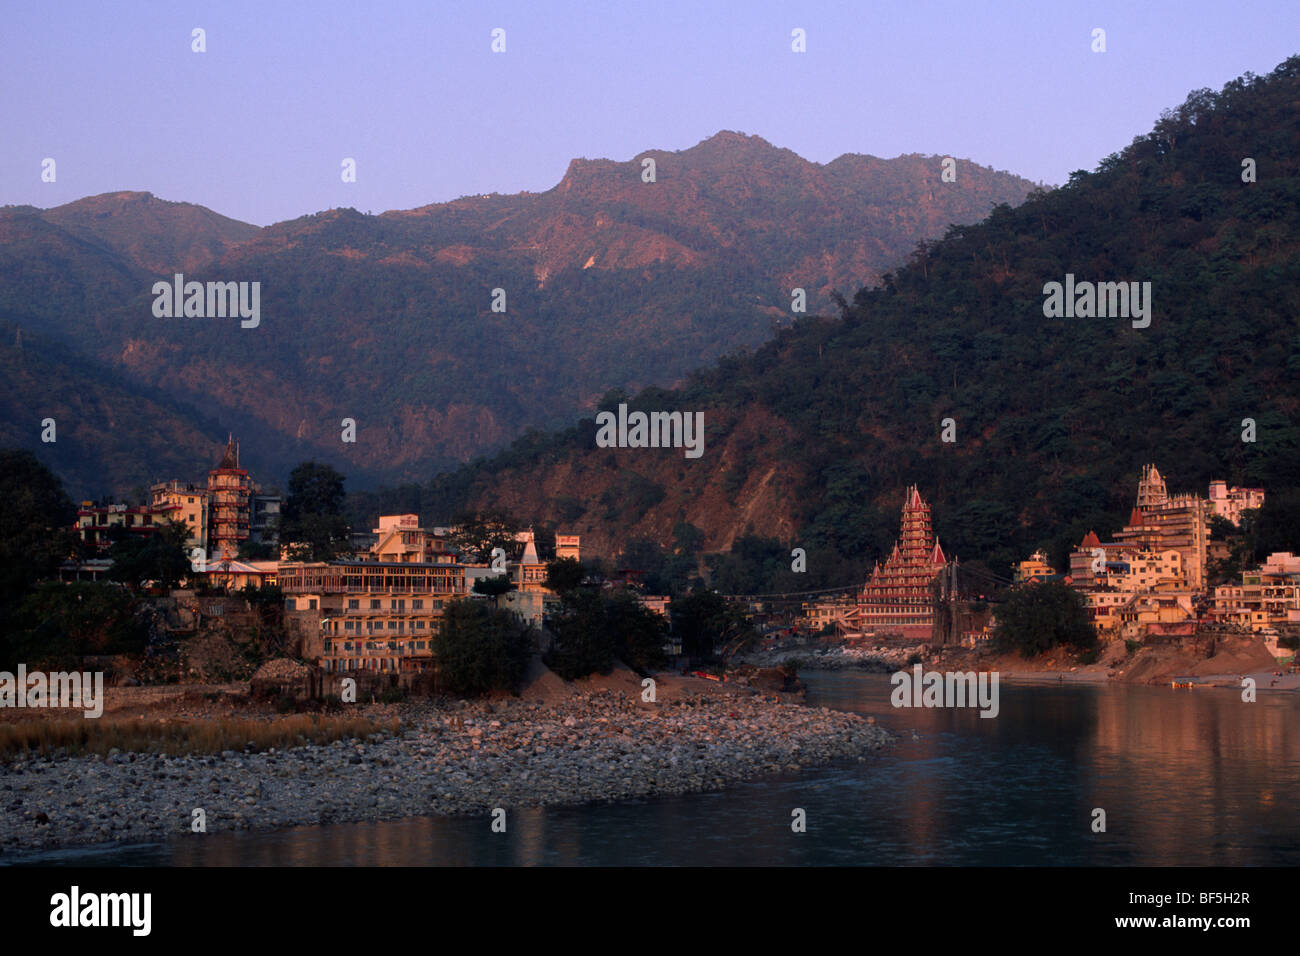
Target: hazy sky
x=257, y=126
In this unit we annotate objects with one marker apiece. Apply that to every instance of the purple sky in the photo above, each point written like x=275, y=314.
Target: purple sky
x=257, y=126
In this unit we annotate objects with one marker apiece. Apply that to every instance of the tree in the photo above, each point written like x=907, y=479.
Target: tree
x=494, y=587
x=564, y=575
x=583, y=643
x=638, y=632
x=710, y=626
x=476, y=534
x=161, y=556
x=62, y=622
x=480, y=649
x=1276, y=524
x=312, y=521
x=1040, y=616
x=257, y=551
x=35, y=524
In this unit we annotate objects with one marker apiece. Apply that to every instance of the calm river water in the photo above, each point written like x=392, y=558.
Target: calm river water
x=1189, y=777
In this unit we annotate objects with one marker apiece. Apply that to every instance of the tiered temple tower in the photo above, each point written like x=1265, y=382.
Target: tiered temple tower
x=229, y=490
x=897, y=598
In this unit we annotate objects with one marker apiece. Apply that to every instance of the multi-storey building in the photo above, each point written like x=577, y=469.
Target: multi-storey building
x=1161, y=522
x=380, y=612
x=221, y=515
x=1267, y=597
x=185, y=503
x=1230, y=502
x=1035, y=568
x=98, y=524
x=897, y=599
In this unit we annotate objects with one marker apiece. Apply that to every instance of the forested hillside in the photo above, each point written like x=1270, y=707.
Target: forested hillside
x=812, y=438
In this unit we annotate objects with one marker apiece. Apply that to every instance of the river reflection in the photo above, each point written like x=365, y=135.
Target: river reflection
x=1191, y=777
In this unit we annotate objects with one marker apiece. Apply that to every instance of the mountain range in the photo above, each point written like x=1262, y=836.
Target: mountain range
x=606, y=281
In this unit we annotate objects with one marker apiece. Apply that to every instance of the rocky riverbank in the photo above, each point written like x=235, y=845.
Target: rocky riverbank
x=464, y=758
x=879, y=660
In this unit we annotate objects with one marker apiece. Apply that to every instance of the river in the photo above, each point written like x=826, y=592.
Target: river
x=1185, y=777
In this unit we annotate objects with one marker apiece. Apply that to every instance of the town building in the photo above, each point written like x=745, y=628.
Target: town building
x=230, y=490
x=897, y=599
x=235, y=575
x=531, y=600
x=1229, y=502
x=185, y=503
x=98, y=525
x=1268, y=597
x=1161, y=521
x=838, y=612
x=1149, y=615
x=1035, y=568
x=378, y=612
x=227, y=511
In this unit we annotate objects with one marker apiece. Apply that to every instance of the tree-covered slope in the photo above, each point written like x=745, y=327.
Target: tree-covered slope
x=813, y=437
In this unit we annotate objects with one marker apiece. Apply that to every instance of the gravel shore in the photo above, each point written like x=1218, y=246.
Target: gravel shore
x=879, y=660
x=465, y=758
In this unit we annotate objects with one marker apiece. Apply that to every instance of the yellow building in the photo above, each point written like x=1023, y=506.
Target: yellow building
x=378, y=613
x=186, y=503
x=1035, y=568
x=1267, y=597
x=1150, y=571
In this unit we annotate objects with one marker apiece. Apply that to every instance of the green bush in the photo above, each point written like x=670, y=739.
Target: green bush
x=481, y=649
x=1038, y=617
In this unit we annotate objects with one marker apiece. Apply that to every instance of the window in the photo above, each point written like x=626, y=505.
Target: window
x=353, y=604
x=289, y=604
x=417, y=604
x=374, y=604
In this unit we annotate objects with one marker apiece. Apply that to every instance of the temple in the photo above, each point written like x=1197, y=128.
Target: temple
x=897, y=600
